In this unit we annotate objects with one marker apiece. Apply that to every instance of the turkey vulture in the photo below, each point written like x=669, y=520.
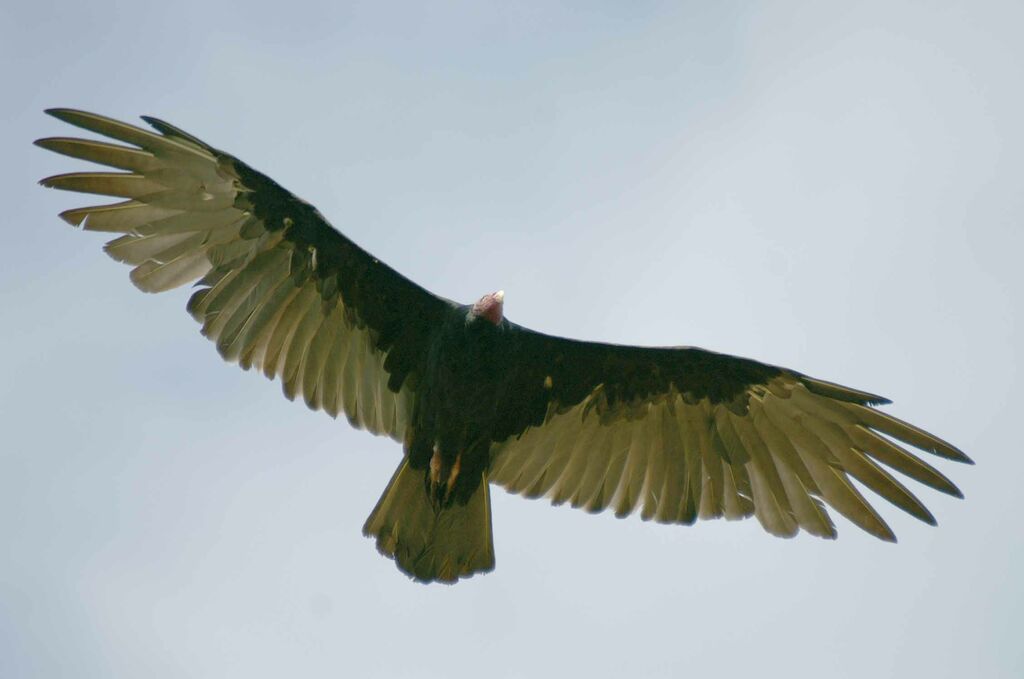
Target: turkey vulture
x=680, y=432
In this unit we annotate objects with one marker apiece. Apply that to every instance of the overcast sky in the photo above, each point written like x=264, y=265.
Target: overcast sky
x=838, y=189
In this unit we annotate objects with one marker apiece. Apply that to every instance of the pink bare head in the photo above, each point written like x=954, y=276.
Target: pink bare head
x=490, y=307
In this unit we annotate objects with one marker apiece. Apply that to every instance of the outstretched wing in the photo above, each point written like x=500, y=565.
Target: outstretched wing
x=687, y=433
x=279, y=288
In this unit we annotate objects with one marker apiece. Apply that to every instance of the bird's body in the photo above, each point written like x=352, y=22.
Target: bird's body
x=455, y=417
x=679, y=432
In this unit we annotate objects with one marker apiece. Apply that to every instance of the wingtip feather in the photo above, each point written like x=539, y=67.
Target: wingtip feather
x=169, y=130
x=67, y=115
x=74, y=217
x=842, y=393
x=963, y=459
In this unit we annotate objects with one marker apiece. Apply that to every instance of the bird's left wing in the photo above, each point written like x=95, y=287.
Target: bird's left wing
x=279, y=288
x=686, y=433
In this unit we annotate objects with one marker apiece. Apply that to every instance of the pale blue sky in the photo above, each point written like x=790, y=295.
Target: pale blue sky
x=831, y=188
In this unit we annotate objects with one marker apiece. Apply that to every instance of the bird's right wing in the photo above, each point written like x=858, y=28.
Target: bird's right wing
x=685, y=433
x=279, y=288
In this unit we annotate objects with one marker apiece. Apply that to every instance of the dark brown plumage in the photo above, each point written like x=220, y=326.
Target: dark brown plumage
x=679, y=432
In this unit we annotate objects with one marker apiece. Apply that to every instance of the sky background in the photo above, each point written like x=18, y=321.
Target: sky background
x=838, y=189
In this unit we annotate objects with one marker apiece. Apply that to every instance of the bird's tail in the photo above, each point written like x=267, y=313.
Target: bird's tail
x=428, y=541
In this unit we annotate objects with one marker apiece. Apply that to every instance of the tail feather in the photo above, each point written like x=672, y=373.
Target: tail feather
x=427, y=542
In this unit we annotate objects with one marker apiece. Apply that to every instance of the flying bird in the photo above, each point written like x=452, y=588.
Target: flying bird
x=679, y=432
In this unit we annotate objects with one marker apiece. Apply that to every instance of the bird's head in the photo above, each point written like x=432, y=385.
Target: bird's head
x=490, y=307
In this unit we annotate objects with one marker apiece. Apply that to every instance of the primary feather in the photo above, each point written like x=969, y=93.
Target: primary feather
x=679, y=433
